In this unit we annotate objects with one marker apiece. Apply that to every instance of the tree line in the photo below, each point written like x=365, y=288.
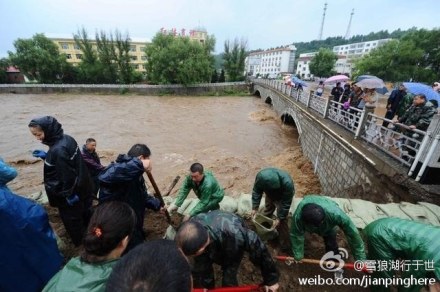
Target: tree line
x=106, y=60
x=413, y=56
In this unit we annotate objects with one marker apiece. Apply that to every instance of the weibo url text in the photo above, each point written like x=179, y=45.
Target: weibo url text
x=367, y=281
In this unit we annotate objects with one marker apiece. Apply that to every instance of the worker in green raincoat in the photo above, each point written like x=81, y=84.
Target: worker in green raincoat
x=279, y=188
x=206, y=188
x=320, y=215
x=414, y=244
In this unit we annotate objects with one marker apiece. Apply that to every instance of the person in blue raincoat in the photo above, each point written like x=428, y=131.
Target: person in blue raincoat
x=29, y=255
x=122, y=180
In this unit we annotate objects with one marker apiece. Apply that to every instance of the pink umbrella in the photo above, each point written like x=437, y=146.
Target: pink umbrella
x=336, y=78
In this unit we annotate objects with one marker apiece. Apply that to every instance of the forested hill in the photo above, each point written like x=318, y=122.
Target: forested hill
x=330, y=42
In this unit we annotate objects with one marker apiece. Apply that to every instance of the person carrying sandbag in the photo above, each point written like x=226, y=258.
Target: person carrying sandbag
x=206, y=188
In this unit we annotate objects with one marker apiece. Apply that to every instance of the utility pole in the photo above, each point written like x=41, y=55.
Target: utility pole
x=347, y=34
x=322, y=23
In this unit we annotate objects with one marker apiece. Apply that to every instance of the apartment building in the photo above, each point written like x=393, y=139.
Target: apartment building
x=346, y=55
x=137, y=46
x=271, y=62
x=74, y=54
x=302, y=67
x=357, y=50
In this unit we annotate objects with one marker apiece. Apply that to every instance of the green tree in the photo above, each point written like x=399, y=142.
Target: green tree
x=90, y=68
x=222, y=77
x=107, y=57
x=428, y=41
x=39, y=58
x=4, y=64
x=178, y=60
x=214, y=77
x=234, y=57
x=125, y=69
x=393, y=61
x=322, y=63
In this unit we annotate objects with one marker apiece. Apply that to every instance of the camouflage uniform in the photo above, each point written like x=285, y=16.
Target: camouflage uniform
x=419, y=116
x=229, y=239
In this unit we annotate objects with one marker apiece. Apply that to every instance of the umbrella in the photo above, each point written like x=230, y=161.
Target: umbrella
x=362, y=77
x=420, y=88
x=336, y=78
x=297, y=81
x=382, y=90
x=371, y=83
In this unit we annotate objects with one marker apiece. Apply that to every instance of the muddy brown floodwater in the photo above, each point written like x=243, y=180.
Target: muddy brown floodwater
x=234, y=137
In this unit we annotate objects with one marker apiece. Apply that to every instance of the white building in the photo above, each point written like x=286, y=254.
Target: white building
x=302, y=68
x=357, y=50
x=271, y=63
x=346, y=55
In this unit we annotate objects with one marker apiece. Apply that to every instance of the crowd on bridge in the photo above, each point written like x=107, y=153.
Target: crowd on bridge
x=103, y=210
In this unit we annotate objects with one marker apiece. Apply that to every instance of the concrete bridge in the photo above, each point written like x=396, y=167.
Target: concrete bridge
x=352, y=154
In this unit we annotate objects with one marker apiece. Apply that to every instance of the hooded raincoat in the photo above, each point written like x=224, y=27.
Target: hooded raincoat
x=123, y=181
x=65, y=174
x=64, y=170
x=392, y=239
x=29, y=255
x=209, y=192
x=334, y=217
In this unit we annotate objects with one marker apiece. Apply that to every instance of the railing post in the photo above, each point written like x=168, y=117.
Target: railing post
x=326, y=107
x=419, y=153
x=428, y=157
x=363, y=119
x=308, y=99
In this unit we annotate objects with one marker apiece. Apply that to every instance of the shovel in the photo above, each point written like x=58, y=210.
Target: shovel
x=350, y=266
x=171, y=232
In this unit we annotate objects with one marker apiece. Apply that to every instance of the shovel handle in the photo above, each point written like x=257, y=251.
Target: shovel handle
x=349, y=266
x=173, y=184
x=159, y=196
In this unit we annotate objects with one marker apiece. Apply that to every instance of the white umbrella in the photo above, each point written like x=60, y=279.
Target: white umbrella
x=371, y=83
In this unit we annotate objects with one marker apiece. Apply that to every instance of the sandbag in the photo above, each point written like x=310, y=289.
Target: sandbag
x=228, y=204
x=39, y=197
x=187, y=206
x=419, y=213
x=244, y=205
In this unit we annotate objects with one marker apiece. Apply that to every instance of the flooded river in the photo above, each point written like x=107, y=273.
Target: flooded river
x=232, y=136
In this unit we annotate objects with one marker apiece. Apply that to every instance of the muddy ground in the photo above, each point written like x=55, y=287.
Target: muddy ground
x=155, y=226
x=232, y=136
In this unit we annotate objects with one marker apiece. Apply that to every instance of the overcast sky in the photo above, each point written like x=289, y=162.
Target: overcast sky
x=263, y=24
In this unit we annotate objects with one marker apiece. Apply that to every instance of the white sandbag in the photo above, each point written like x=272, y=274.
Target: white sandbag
x=187, y=206
x=168, y=200
x=244, y=205
x=39, y=197
x=228, y=204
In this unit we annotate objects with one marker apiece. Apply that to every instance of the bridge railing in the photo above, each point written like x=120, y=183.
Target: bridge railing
x=349, y=118
x=398, y=141
x=407, y=146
